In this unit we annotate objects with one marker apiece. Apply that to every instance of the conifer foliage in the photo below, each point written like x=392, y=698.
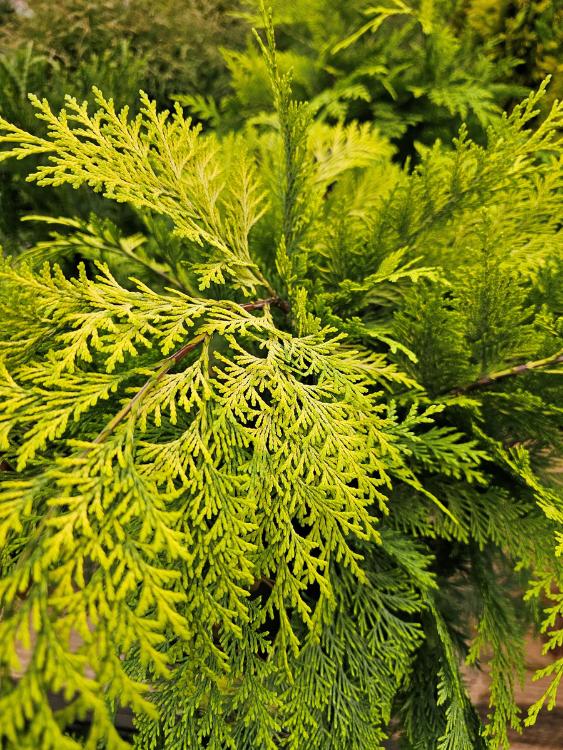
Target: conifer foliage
x=274, y=468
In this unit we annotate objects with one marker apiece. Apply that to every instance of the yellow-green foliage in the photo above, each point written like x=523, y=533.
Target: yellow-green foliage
x=268, y=457
x=415, y=67
x=532, y=32
x=57, y=48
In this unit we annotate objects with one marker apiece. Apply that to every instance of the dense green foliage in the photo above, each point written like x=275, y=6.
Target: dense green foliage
x=65, y=47
x=279, y=418
x=167, y=45
x=415, y=68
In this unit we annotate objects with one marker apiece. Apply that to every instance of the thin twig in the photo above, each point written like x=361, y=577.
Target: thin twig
x=153, y=269
x=523, y=369
x=33, y=545
x=169, y=363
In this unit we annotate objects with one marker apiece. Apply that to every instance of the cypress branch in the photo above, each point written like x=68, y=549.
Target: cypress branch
x=250, y=549
x=523, y=369
x=170, y=362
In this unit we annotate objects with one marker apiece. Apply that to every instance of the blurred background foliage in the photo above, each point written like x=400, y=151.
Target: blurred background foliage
x=409, y=72
x=58, y=48
x=414, y=68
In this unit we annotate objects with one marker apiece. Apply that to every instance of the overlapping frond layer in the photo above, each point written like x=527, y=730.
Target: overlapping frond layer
x=258, y=457
x=276, y=460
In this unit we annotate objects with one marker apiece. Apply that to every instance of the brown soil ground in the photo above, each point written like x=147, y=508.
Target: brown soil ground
x=547, y=734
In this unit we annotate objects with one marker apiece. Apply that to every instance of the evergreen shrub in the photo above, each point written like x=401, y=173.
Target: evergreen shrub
x=65, y=47
x=276, y=463
x=417, y=68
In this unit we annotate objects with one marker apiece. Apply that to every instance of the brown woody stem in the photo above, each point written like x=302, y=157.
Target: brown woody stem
x=494, y=377
x=165, y=367
x=169, y=363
